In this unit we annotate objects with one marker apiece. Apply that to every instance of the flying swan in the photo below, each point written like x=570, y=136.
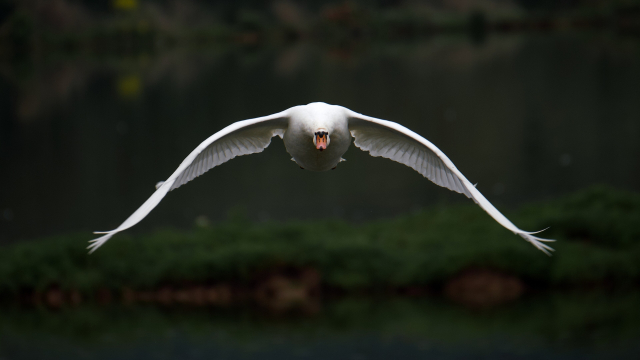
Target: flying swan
x=317, y=135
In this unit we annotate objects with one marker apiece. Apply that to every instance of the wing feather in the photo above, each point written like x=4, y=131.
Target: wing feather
x=216, y=157
x=394, y=141
x=412, y=158
x=217, y=149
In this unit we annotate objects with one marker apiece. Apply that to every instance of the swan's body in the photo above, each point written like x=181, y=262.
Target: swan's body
x=304, y=121
x=317, y=135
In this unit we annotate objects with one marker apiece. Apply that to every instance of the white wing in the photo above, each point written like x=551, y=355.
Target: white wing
x=394, y=141
x=240, y=138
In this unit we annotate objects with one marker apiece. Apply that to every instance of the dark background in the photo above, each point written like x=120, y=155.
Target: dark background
x=99, y=100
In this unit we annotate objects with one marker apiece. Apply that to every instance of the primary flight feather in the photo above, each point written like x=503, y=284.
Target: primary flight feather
x=317, y=135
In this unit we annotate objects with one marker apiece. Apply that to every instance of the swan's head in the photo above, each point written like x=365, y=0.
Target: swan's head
x=321, y=139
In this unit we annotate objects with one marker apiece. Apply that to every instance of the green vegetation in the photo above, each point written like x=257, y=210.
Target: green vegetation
x=596, y=230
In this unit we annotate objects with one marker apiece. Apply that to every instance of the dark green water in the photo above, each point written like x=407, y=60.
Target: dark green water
x=83, y=140
x=588, y=325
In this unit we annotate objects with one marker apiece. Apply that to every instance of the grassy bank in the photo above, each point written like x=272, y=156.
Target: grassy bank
x=597, y=232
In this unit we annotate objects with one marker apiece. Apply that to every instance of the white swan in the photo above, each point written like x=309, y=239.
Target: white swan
x=317, y=135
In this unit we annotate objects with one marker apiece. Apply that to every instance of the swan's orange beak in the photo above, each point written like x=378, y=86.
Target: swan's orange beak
x=321, y=140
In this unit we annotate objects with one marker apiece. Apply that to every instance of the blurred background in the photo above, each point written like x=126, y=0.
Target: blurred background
x=536, y=101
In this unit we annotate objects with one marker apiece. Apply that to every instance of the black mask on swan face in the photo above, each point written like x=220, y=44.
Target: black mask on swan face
x=321, y=139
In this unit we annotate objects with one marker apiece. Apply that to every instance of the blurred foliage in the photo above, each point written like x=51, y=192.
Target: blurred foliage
x=97, y=25
x=596, y=229
x=600, y=216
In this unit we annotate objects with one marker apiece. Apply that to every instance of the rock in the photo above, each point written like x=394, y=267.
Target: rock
x=54, y=298
x=128, y=295
x=198, y=296
x=75, y=297
x=483, y=288
x=220, y=295
x=164, y=296
x=103, y=296
x=145, y=296
x=281, y=292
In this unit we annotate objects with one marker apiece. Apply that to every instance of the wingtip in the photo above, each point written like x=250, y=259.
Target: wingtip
x=538, y=242
x=96, y=243
x=539, y=231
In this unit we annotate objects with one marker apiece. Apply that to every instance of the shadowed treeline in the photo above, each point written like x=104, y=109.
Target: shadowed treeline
x=124, y=26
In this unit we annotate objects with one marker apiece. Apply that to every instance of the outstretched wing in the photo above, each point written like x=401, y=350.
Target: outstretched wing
x=394, y=141
x=240, y=138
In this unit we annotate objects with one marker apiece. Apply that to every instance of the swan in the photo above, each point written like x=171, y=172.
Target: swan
x=316, y=135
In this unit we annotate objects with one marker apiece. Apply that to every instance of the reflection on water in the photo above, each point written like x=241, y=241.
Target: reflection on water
x=84, y=140
x=593, y=325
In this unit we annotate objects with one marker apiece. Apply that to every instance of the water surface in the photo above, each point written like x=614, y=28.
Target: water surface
x=583, y=325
